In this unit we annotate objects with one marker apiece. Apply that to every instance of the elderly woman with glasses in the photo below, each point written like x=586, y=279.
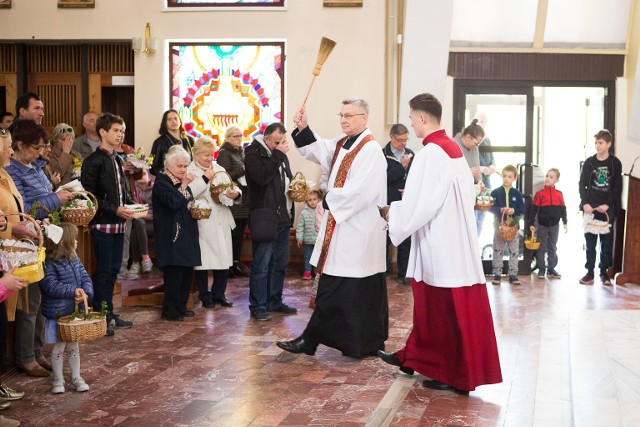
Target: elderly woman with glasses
x=25, y=169
x=176, y=232
x=63, y=159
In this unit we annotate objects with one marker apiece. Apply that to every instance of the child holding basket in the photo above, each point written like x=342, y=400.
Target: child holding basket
x=65, y=283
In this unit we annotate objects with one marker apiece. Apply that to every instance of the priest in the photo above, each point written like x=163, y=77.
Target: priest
x=452, y=342
x=351, y=311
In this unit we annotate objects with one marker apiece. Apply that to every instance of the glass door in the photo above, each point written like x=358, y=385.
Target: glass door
x=509, y=140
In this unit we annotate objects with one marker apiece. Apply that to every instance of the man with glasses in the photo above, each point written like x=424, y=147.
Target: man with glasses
x=468, y=141
x=399, y=159
x=351, y=311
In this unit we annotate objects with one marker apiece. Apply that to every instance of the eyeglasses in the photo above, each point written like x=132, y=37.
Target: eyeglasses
x=400, y=139
x=63, y=130
x=348, y=115
x=39, y=148
x=235, y=136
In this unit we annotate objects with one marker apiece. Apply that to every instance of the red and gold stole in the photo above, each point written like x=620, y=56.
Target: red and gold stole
x=341, y=177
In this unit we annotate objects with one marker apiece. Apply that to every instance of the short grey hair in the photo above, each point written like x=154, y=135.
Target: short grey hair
x=174, y=154
x=230, y=130
x=357, y=101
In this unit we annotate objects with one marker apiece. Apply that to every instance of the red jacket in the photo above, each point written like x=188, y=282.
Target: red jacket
x=548, y=206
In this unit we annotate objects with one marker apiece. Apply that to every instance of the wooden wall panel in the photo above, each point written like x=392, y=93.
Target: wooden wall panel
x=10, y=82
x=95, y=93
x=54, y=59
x=61, y=95
x=7, y=58
x=115, y=59
x=535, y=66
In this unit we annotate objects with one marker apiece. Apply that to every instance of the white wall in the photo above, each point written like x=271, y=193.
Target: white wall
x=355, y=67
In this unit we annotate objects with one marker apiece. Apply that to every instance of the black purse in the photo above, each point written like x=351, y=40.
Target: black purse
x=263, y=225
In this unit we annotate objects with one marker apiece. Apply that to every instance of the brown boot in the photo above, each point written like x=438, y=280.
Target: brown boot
x=42, y=361
x=312, y=302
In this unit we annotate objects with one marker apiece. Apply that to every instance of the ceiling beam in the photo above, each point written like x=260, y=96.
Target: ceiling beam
x=541, y=24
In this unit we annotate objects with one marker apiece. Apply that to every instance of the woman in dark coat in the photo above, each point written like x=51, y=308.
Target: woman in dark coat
x=176, y=233
x=231, y=158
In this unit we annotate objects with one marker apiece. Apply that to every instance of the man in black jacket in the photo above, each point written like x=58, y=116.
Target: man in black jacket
x=268, y=175
x=399, y=159
x=103, y=175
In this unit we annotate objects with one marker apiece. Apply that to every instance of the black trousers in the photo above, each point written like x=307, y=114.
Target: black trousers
x=177, y=284
x=237, y=237
x=218, y=288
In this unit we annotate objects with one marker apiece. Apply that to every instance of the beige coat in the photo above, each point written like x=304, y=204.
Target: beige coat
x=215, y=232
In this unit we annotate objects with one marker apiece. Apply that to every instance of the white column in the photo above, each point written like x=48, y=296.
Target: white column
x=425, y=54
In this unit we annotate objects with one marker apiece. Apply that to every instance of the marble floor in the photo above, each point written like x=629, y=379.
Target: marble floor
x=570, y=356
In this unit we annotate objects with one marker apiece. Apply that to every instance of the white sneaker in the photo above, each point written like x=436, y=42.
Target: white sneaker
x=80, y=385
x=135, y=268
x=147, y=265
x=57, y=388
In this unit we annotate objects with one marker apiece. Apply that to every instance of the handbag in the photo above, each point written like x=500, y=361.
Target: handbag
x=263, y=225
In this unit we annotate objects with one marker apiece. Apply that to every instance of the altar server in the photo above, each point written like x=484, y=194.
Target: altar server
x=452, y=342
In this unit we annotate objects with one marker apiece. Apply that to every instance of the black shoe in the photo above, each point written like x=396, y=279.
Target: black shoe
x=110, y=332
x=223, y=302
x=436, y=385
x=232, y=272
x=240, y=269
x=208, y=304
x=261, y=315
x=604, y=278
x=172, y=317
x=118, y=323
x=299, y=345
x=392, y=359
x=283, y=309
x=188, y=313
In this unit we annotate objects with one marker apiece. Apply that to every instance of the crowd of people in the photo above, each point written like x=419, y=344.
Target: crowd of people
x=370, y=198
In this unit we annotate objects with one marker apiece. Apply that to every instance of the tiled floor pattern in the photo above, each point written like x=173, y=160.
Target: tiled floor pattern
x=569, y=355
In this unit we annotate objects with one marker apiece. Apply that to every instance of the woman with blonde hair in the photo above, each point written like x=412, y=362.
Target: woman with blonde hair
x=214, y=232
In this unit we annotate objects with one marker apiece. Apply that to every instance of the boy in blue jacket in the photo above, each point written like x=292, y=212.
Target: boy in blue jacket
x=508, y=200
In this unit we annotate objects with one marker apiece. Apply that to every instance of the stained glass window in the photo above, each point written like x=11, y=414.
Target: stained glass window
x=223, y=3
x=216, y=85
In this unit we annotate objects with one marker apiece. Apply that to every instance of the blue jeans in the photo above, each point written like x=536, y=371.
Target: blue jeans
x=269, y=266
x=308, y=251
x=108, y=249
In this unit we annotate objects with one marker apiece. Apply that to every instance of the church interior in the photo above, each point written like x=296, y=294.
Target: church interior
x=549, y=74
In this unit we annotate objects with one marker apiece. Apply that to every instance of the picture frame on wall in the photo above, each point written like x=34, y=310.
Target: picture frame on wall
x=176, y=4
x=5, y=4
x=76, y=4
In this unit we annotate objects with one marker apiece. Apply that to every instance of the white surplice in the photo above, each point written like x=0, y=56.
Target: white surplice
x=436, y=210
x=358, y=245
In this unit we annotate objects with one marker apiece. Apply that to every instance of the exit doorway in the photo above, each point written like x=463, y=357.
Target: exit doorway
x=536, y=127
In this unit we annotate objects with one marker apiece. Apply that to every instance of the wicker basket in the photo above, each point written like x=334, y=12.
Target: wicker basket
x=219, y=188
x=82, y=330
x=507, y=232
x=596, y=226
x=532, y=243
x=200, y=213
x=32, y=272
x=299, y=195
x=81, y=216
x=138, y=213
x=482, y=207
